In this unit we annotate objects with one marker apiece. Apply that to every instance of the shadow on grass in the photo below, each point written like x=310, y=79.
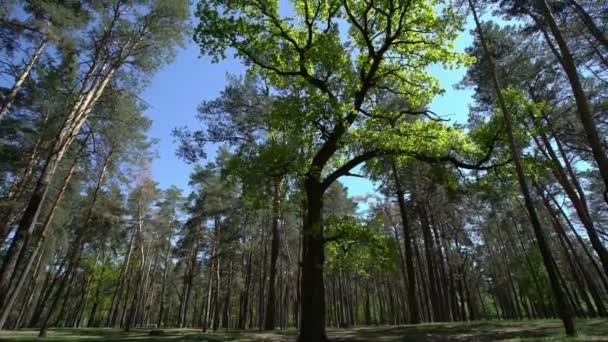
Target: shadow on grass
x=482, y=331
x=479, y=331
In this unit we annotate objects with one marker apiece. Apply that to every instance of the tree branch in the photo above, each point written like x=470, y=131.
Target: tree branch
x=344, y=170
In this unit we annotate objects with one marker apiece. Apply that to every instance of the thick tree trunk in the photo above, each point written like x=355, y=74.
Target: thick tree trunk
x=563, y=306
x=312, y=320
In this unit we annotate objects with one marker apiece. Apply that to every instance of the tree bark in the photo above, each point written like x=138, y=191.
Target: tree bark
x=428, y=247
x=409, y=256
x=269, y=323
x=10, y=98
x=246, y=291
x=71, y=126
x=207, y=310
x=578, y=202
x=77, y=245
x=588, y=21
x=563, y=306
x=161, y=312
x=312, y=320
x=6, y=307
x=18, y=190
x=582, y=104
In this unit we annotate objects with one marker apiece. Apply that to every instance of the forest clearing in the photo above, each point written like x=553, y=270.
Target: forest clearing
x=481, y=331
x=304, y=170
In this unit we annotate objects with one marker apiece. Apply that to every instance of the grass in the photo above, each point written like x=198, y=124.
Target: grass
x=541, y=330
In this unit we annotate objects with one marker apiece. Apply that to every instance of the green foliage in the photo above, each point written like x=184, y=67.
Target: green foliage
x=357, y=246
x=326, y=78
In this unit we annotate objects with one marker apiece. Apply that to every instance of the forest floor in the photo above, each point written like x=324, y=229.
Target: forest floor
x=541, y=330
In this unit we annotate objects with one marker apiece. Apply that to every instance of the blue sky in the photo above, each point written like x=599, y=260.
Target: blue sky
x=177, y=90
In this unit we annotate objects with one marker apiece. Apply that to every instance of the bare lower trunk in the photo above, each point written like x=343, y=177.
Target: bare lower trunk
x=312, y=320
x=161, y=312
x=409, y=255
x=77, y=245
x=269, y=323
x=6, y=307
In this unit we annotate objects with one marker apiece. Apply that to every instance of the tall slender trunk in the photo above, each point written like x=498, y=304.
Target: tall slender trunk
x=42, y=232
x=115, y=303
x=218, y=274
x=207, y=311
x=78, y=244
x=563, y=307
x=576, y=198
x=402, y=267
x=138, y=293
x=262, y=276
x=71, y=126
x=228, y=298
x=595, y=31
x=27, y=304
x=428, y=250
x=142, y=267
x=269, y=323
x=10, y=98
x=246, y=291
x=409, y=256
x=443, y=259
x=188, y=280
x=161, y=311
x=97, y=295
x=12, y=296
x=582, y=104
x=580, y=240
x=575, y=259
x=18, y=190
